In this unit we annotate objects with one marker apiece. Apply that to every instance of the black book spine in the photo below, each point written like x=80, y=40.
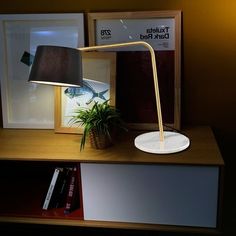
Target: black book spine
x=63, y=188
x=72, y=199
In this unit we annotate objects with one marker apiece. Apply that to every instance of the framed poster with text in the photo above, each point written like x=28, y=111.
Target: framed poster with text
x=135, y=96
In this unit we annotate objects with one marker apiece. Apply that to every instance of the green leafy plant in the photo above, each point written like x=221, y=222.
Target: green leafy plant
x=101, y=118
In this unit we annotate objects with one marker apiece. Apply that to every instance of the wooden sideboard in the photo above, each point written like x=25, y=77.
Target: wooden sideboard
x=122, y=187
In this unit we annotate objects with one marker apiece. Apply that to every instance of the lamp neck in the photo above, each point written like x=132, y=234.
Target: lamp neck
x=154, y=69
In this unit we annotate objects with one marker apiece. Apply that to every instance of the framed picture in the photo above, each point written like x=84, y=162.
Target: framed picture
x=99, y=72
x=135, y=96
x=28, y=105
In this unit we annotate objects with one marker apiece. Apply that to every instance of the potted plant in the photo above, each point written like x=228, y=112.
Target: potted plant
x=100, y=123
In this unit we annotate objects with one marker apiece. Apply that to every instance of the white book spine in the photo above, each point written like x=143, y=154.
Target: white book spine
x=51, y=188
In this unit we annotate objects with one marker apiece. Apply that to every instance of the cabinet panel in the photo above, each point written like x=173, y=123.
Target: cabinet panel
x=157, y=194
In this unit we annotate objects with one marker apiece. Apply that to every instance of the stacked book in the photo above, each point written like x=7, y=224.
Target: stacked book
x=64, y=190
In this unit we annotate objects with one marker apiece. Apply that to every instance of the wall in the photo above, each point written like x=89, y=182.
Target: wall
x=209, y=48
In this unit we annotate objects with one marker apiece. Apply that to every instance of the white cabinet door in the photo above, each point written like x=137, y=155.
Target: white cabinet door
x=158, y=194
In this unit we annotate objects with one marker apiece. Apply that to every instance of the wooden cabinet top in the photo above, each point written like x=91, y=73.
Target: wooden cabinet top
x=45, y=145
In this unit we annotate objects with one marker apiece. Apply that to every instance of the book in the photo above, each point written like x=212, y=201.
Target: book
x=51, y=188
x=63, y=188
x=80, y=211
x=74, y=196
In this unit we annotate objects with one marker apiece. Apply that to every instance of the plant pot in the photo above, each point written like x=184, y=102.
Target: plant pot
x=99, y=141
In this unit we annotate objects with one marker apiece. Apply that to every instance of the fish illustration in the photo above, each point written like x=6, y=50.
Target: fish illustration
x=73, y=92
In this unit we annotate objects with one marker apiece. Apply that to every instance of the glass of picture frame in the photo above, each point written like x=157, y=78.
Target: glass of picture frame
x=28, y=105
x=99, y=85
x=135, y=96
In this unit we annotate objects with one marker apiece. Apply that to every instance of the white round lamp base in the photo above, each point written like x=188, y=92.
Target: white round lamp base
x=150, y=142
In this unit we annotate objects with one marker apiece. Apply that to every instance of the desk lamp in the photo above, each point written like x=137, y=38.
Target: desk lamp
x=63, y=66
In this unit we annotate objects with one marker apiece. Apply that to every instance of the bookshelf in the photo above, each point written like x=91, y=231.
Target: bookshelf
x=29, y=157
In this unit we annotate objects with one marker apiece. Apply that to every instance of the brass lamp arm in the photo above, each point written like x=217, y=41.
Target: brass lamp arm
x=154, y=71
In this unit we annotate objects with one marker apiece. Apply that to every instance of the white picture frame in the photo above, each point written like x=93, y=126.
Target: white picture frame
x=28, y=105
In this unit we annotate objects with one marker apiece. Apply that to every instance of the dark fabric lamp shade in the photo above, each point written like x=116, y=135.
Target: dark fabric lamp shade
x=56, y=65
